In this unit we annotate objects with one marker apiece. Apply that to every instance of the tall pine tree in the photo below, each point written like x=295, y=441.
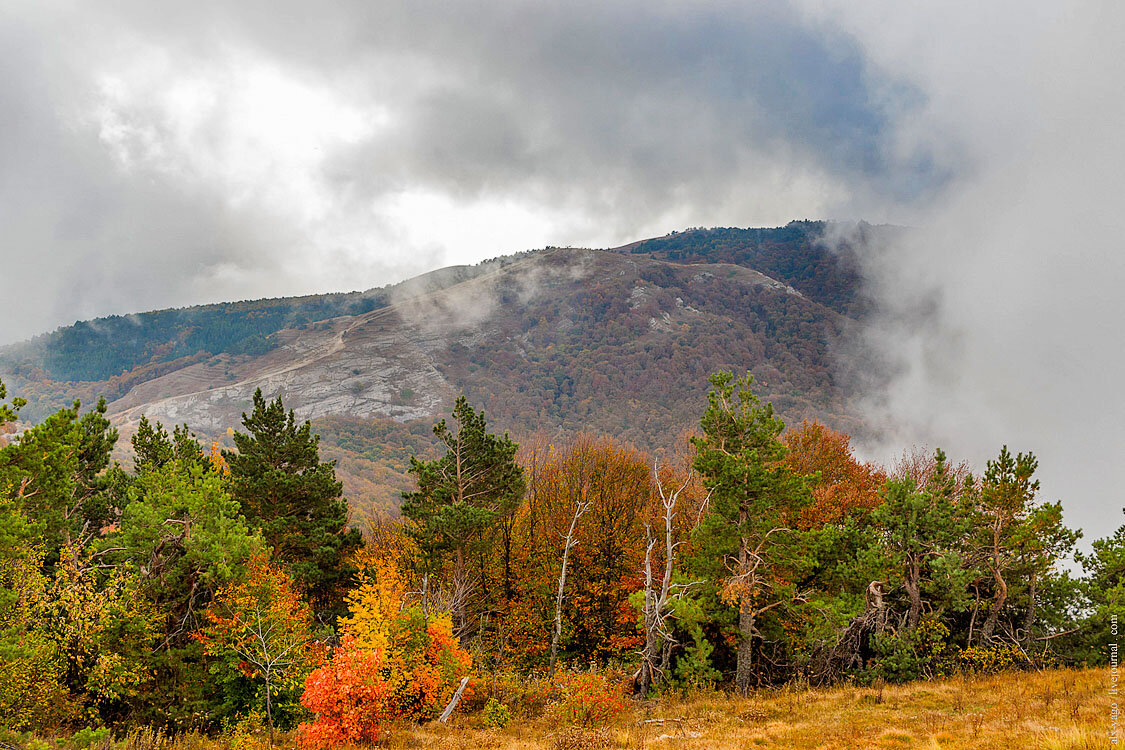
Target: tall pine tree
x=462, y=496
x=747, y=539
x=294, y=498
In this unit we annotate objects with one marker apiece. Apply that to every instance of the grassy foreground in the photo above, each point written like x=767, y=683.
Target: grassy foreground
x=1052, y=710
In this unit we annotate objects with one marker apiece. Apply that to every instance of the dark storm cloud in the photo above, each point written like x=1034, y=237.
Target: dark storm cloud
x=637, y=100
x=134, y=171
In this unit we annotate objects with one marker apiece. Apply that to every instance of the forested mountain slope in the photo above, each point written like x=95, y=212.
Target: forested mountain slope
x=557, y=340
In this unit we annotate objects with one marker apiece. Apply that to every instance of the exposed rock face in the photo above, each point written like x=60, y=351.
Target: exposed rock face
x=379, y=364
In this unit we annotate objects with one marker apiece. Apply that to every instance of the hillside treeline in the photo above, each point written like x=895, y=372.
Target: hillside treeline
x=200, y=587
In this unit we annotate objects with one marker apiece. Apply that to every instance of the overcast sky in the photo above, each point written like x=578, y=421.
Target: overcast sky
x=157, y=154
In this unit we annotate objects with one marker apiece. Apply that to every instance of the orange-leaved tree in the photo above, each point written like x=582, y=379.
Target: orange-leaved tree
x=420, y=659
x=425, y=663
x=348, y=697
x=613, y=482
x=262, y=627
x=842, y=484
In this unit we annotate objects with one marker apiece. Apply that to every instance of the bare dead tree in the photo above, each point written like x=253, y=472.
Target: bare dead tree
x=656, y=610
x=270, y=646
x=436, y=598
x=580, y=507
x=454, y=701
x=832, y=661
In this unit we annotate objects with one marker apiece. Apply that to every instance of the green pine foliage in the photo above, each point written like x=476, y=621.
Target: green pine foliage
x=918, y=536
x=105, y=347
x=294, y=498
x=57, y=469
x=462, y=495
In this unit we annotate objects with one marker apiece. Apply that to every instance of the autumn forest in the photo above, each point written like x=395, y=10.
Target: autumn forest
x=217, y=591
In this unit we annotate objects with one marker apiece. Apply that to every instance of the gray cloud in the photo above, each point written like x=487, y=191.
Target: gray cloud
x=168, y=154
x=1003, y=313
x=158, y=153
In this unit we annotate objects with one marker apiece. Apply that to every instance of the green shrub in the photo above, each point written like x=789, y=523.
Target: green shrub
x=497, y=714
x=922, y=652
x=89, y=737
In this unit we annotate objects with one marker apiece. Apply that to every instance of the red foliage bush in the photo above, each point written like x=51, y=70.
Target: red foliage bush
x=348, y=697
x=590, y=699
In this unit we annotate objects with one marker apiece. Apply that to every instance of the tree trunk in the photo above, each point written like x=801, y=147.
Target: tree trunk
x=458, y=601
x=557, y=635
x=269, y=710
x=508, y=561
x=913, y=587
x=657, y=603
x=973, y=619
x=455, y=700
x=997, y=604
x=644, y=677
x=744, y=671
x=1029, y=621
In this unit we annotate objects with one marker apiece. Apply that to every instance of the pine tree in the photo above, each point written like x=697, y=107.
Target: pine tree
x=747, y=535
x=462, y=495
x=1006, y=497
x=294, y=498
x=9, y=412
x=153, y=447
x=1020, y=541
x=919, y=538
x=56, y=475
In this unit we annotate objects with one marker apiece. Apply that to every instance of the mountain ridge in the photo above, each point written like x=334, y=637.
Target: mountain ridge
x=618, y=341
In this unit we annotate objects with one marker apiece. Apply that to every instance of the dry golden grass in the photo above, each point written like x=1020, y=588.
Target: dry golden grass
x=1055, y=710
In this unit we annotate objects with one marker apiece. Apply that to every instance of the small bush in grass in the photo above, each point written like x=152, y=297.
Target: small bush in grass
x=525, y=696
x=496, y=714
x=88, y=737
x=247, y=733
x=348, y=698
x=987, y=659
x=589, y=699
x=140, y=738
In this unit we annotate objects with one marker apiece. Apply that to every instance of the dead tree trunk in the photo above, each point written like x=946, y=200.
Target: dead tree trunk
x=644, y=678
x=454, y=701
x=581, y=507
x=656, y=603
